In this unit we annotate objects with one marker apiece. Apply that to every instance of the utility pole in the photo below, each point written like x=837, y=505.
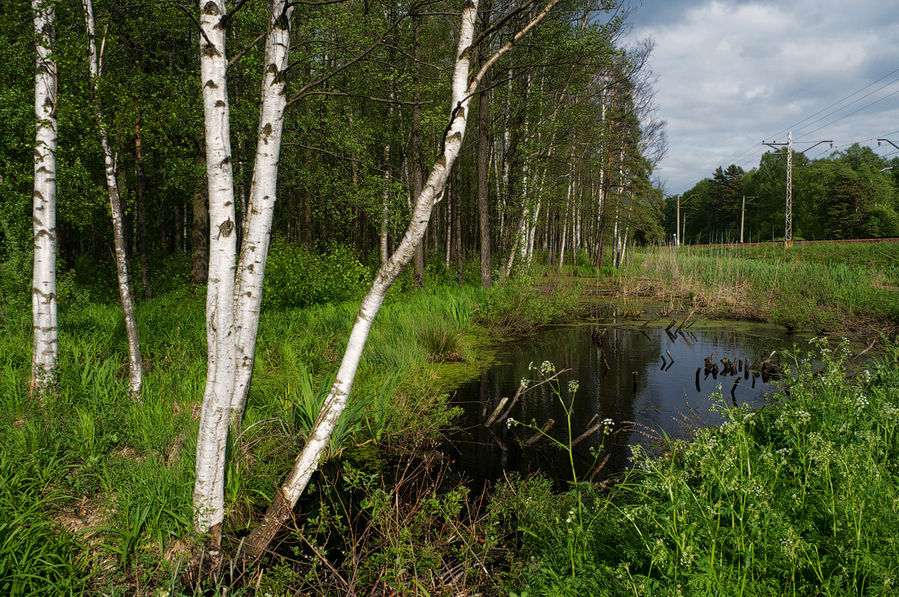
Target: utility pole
x=788, y=212
x=743, y=214
x=678, y=228
x=677, y=224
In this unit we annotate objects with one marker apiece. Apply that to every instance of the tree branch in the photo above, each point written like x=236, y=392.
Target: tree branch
x=315, y=83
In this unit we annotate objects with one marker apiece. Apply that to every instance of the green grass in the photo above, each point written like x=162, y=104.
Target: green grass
x=123, y=470
x=817, y=287
x=798, y=498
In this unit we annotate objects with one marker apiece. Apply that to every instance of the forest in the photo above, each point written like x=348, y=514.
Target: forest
x=851, y=193
x=263, y=242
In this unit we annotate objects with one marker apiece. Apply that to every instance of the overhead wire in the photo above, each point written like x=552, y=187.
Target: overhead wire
x=814, y=120
x=853, y=112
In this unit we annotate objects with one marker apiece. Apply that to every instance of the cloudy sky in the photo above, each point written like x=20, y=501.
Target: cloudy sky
x=731, y=74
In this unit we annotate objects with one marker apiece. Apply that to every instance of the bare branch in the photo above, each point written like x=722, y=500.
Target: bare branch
x=304, y=91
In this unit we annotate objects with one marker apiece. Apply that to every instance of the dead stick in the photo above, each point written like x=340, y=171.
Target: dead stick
x=496, y=411
x=540, y=434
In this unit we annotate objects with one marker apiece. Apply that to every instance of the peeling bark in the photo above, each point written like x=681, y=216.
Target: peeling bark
x=45, y=352
x=261, y=209
x=209, y=495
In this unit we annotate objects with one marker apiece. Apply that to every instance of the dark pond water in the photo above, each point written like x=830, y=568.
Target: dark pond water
x=642, y=378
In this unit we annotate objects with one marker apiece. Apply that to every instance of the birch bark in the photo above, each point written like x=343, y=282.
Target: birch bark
x=135, y=362
x=483, y=189
x=208, y=498
x=307, y=462
x=45, y=352
x=261, y=209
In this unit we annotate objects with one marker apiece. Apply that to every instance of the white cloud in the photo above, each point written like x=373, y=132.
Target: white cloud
x=732, y=73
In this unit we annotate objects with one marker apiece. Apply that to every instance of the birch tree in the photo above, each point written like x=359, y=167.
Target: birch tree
x=45, y=353
x=95, y=64
x=463, y=88
x=234, y=292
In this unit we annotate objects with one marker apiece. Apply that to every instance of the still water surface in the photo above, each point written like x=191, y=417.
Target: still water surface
x=625, y=373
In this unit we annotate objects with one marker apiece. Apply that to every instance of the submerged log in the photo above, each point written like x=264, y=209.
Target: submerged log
x=539, y=434
x=496, y=411
x=592, y=427
x=686, y=319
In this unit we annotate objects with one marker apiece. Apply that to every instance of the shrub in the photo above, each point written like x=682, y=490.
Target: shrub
x=298, y=277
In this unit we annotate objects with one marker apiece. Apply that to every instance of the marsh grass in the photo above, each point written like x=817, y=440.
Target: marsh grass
x=797, y=498
x=816, y=287
x=121, y=471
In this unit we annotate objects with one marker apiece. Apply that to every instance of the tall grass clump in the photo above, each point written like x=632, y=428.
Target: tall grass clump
x=521, y=304
x=815, y=287
x=799, y=498
x=37, y=557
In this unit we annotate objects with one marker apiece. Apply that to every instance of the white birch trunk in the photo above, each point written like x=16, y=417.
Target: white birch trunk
x=45, y=352
x=307, y=461
x=449, y=230
x=208, y=496
x=385, y=209
x=261, y=209
x=565, y=220
x=135, y=362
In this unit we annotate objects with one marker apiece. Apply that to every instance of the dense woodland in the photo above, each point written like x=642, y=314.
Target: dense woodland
x=852, y=193
x=560, y=147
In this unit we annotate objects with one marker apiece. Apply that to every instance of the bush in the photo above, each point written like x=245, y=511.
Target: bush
x=298, y=277
x=520, y=305
x=798, y=497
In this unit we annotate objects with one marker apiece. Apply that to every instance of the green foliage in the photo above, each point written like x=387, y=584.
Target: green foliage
x=520, y=304
x=799, y=497
x=36, y=556
x=15, y=281
x=297, y=277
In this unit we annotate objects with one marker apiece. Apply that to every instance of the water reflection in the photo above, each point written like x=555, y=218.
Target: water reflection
x=650, y=381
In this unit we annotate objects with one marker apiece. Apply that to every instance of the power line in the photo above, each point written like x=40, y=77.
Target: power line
x=843, y=107
x=839, y=101
x=854, y=112
x=750, y=148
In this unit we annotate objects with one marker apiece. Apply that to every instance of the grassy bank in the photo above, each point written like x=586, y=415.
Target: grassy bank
x=798, y=498
x=826, y=287
x=96, y=489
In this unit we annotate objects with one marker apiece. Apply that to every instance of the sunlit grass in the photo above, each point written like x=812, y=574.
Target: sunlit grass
x=798, y=498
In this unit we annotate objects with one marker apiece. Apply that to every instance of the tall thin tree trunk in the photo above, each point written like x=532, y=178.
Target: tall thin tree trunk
x=254, y=249
x=457, y=222
x=45, y=353
x=209, y=486
x=483, y=189
x=135, y=362
x=415, y=142
x=141, y=209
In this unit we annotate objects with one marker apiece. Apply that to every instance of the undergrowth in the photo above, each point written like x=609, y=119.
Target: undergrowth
x=800, y=498
x=105, y=482
x=818, y=287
